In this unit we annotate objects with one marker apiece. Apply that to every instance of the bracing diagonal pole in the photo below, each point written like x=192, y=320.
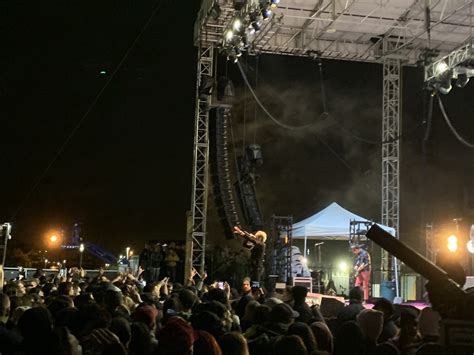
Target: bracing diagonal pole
x=196, y=238
x=391, y=156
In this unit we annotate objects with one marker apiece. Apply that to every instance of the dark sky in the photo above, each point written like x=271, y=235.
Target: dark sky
x=126, y=172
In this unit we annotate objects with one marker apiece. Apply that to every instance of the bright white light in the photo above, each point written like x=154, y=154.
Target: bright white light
x=470, y=246
x=452, y=243
x=441, y=67
x=229, y=35
x=81, y=248
x=237, y=24
x=305, y=261
x=343, y=266
x=64, y=261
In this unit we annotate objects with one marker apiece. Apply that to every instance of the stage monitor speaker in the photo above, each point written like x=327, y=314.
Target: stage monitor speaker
x=304, y=281
x=330, y=307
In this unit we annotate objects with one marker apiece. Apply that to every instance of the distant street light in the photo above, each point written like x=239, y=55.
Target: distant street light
x=81, y=251
x=127, y=252
x=53, y=238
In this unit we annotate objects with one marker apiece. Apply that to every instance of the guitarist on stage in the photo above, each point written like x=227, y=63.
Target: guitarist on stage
x=256, y=244
x=361, y=269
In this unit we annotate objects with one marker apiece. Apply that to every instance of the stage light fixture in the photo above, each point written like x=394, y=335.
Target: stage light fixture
x=229, y=35
x=237, y=24
x=342, y=266
x=470, y=246
x=249, y=34
x=274, y=3
x=256, y=25
x=452, y=243
x=441, y=67
x=462, y=80
x=266, y=13
x=444, y=87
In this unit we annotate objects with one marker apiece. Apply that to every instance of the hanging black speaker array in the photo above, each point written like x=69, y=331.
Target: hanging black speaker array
x=245, y=186
x=219, y=169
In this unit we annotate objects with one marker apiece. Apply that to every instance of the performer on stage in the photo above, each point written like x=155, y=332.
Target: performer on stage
x=362, y=269
x=256, y=244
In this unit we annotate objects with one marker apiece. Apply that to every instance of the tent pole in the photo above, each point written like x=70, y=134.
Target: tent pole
x=305, y=242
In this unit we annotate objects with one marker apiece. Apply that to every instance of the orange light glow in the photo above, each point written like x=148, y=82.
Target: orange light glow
x=452, y=243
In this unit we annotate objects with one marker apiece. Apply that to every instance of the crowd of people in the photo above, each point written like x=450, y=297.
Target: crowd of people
x=161, y=260
x=77, y=314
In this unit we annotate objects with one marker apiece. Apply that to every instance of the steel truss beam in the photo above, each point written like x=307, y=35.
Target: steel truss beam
x=452, y=60
x=391, y=155
x=197, y=236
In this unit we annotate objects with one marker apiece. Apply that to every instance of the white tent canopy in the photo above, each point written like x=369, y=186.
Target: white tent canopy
x=331, y=223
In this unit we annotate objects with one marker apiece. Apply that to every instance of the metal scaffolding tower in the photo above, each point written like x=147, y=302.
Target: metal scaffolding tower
x=430, y=251
x=196, y=239
x=280, y=249
x=350, y=31
x=391, y=155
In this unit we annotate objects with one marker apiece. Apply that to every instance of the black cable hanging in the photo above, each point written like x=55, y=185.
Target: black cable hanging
x=276, y=121
x=325, y=111
x=322, y=115
x=257, y=57
x=245, y=108
x=451, y=127
x=429, y=119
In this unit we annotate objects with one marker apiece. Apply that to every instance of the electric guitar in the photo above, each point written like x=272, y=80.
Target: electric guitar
x=358, y=269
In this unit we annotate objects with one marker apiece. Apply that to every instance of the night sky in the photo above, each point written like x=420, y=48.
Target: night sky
x=125, y=174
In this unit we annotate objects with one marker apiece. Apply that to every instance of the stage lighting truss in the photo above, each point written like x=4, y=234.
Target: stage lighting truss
x=458, y=66
x=244, y=26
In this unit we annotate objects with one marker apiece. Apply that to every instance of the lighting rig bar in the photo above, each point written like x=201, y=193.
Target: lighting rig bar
x=454, y=61
x=242, y=29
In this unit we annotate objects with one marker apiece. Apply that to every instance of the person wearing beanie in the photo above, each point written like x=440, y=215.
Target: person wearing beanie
x=350, y=312
x=146, y=314
x=389, y=329
x=370, y=323
x=428, y=325
x=300, y=305
x=280, y=318
x=176, y=337
x=323, y=336
x=408, y=338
